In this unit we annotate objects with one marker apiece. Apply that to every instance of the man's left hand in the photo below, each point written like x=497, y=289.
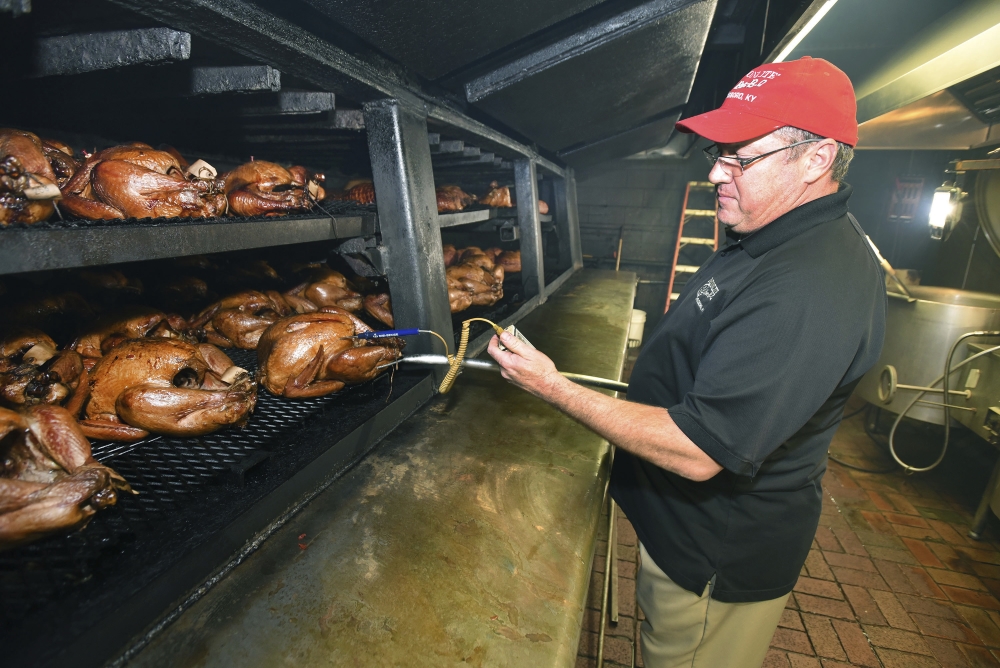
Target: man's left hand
x=525, y=366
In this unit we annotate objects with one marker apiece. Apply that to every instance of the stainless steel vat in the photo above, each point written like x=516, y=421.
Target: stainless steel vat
x=917, y=338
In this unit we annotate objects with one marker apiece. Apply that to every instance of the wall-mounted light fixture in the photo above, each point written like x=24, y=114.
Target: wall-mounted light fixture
x=946, y=210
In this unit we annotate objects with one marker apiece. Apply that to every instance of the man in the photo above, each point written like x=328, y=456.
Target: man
x=735, y=397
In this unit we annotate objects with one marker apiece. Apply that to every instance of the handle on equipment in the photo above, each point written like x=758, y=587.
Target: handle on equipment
x=387, y=334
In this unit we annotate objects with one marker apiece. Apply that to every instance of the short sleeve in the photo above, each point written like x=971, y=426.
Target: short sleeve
x=772, y=357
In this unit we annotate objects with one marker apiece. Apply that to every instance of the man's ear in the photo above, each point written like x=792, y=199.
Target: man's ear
x=820, y=160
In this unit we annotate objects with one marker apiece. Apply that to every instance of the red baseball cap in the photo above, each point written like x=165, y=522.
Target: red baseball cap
x=809, y=93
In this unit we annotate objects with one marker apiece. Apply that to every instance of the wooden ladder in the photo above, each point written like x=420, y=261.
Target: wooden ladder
x=682, y=240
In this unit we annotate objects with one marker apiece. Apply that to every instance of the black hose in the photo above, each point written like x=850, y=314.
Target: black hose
x=874, y=440
x=850, y=415
x=860, y=468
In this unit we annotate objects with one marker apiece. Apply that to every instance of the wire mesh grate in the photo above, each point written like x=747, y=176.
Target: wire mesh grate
x=189, y=488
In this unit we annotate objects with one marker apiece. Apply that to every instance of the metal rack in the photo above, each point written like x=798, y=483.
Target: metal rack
x=78, y=599
x=64, y=245
x=100, y=605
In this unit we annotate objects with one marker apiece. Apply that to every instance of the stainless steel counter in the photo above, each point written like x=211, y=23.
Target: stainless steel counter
x=466, y=539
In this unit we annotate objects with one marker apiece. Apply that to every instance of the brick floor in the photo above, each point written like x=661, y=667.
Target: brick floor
x=892, y=579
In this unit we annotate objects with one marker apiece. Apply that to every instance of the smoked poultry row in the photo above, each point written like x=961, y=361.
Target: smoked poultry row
x=137, y=370
x=137, y=181
x=450, y=198
x=49, y=480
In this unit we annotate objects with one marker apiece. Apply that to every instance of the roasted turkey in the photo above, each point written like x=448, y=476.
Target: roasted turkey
x=362, y=193
x=459, y=296
x=165, y=386
x=137, y=181
x=28, y=184
x=510, y=261
x=485, y=287
x=452, y=198
x=260, y=188
x=61, y=159
x=498, y=197
x=237, y=321
x=313, y=354
x=33, y=371
x=49, y=481
x=451, y=255
x=129, y=322
x=379, y=306
x=328, y=287
x=478, y=257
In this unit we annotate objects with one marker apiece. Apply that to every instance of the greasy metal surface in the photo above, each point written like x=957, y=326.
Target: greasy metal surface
x=466, y=540
x=567, y=218
x=532, y=251
x=435, y=37
x=57, y=246
x=654, y=133
x=987, y=199
x=264, y=37
x=408, y=218
x=235, y=78
x=292, y=103
x=625, y=80
x=570, y=47
x=88, y=52
x=958, y=46
x=918, y=336
x=936, y=122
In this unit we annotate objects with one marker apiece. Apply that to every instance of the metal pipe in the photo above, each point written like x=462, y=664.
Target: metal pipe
x=618, y=255
x=965, y=393
x=972, y=250
x=951, y=406
x=613, y=547
x=607, y=583
x=441, y=360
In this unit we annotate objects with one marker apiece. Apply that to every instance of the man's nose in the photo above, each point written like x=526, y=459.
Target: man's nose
x=719, y=175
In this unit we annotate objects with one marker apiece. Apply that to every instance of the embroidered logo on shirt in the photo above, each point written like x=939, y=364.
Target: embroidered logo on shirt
x=708, y=291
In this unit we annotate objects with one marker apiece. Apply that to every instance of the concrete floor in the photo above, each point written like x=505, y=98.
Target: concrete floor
x=892, y=579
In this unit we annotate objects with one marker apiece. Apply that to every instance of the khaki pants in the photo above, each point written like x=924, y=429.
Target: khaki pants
x=684, y=629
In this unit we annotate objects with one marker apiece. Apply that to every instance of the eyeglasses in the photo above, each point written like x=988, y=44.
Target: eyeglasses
x=738, y=164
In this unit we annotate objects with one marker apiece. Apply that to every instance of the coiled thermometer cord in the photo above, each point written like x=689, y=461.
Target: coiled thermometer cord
x=455, y=361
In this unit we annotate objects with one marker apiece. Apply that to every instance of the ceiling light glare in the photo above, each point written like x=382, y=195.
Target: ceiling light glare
x=806, y=29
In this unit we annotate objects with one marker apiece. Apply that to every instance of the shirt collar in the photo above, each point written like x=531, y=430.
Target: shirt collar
x=795, y=222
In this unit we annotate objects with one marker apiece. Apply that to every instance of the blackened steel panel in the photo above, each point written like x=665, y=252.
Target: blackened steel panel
x=620, y=83
x=435, y=37
x=654, y=134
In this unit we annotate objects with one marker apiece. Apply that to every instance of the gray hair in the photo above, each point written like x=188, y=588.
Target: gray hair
x=845, y=153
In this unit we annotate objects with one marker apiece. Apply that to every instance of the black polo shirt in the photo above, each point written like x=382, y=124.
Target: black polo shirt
x=755, y=361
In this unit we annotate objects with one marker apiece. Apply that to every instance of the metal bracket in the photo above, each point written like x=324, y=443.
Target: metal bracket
x=90, y=52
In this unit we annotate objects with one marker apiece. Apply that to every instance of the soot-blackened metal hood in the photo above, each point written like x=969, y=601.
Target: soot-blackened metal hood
x=436, y=37
x=627, y=72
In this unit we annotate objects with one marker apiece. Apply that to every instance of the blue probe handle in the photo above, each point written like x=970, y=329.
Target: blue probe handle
x=388, y=334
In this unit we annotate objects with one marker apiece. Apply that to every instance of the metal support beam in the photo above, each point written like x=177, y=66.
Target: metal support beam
x=292, y=103
x=235, y=79
x=532, y=260
x=90, y=52
x=567, y=220
x=249, y=30
x=616, y=27
x=407, y=209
